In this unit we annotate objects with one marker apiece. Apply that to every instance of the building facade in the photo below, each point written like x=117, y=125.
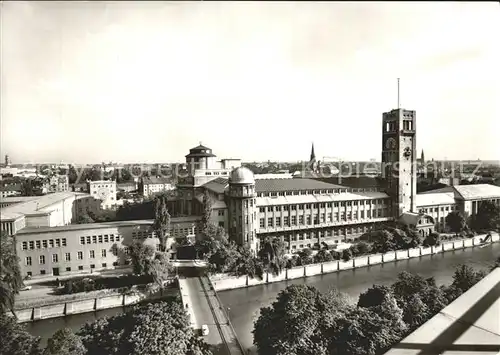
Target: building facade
x=104, y=190
x=149, y=186
x=84, y=248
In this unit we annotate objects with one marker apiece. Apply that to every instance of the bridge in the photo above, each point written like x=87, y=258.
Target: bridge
x=204, y=307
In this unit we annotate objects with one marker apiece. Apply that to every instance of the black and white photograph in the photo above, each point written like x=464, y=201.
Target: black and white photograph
x=249, y=178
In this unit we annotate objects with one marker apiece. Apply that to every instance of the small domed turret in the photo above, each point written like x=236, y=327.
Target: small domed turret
x=242, y=175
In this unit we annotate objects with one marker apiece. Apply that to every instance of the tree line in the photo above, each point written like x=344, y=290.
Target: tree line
x=304, y=321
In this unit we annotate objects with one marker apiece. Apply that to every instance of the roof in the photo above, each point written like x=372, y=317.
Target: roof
x=115, y=224
x=357, y=182
x=470, y=324
x=273, y=176
x=216, y=204
x=18, y=199
x=217, y=185
x=411, y=218
x=156, y=180
x=9, y=216
x=438, y=198
x=471, y=192
x=478, y=191
x=276, y=185
x=36, y=205
x=300, y=199
x=241, y=175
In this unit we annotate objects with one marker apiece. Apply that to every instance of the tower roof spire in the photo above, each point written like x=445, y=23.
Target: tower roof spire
x=313, y=156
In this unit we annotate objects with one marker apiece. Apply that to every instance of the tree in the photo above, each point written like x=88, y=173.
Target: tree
x=272, y=255
x=161, y=269
x=161, y=223
x=161, y=328
x=15, y=339
x=487, y=217
x=64, y=342
x=214, y=238
x=432, y=239
x=465, y=277
x=11, y=280
x=84, y=219
x=347, y=254
x=456, y=221
x=417, y=312
x=141, y=256
x=305, y=257
x=363, y=248
x=323, y=256
x=383, y=241
x=246, y=264
x=207, y=210
x=496, y=264
x=297, y=321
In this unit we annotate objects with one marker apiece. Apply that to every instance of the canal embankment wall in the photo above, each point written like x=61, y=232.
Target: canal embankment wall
x=61, y=306
x=221, y=282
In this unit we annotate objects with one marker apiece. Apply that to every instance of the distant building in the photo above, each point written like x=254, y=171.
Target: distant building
x=127, y=186
x=52, y=210
x=56, y=183
x=13, y=189
x=105, y=191
x=150, y=186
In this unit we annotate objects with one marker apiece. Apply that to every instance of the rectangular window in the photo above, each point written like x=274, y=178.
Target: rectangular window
x=25, y=245
x=80, y=267
x=80, y=255
x=349, y=215
x=55, y=258
x=368, y=214
x=42, y=272
x=294, y=220
x=82, y=240
x=103, y=253
x=51, y=243
x=301, y=220
x=362, y=214
x=100, y=239
x=278, y=221
x=104, y=265
x=64, y=242
x=270, y=222
x=94, y=239
x=67, y=257
x=32, y=245
x=58, y=243
x=106, y=238
x=68, y=269
x=342, y=216
x=44, y=244
x=117, y=238
x=262, y=223
x=38, y=244
x=111, y=238
x=92, y=266
x=309, y=219
x=89, y=239
x=92, y=254
x=41, y=259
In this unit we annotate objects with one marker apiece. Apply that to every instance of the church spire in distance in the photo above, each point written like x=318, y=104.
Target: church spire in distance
x=313, y=156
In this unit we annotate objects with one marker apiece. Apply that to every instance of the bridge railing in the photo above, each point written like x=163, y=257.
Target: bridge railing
x=242, y=349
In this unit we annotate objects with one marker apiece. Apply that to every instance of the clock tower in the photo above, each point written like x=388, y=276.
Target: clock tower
x=399, y=159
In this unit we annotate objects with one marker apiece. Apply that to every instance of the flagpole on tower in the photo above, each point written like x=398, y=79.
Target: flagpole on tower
x=399, y=106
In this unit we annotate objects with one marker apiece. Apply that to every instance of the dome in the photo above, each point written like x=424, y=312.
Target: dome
x=242, y=175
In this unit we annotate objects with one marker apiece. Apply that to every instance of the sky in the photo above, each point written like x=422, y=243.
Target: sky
x=85, y=82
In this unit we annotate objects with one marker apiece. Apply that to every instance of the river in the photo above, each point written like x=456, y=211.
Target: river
x=244, y=304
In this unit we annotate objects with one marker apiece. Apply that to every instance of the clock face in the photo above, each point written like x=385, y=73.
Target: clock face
x=390, y=143
x=102, y=193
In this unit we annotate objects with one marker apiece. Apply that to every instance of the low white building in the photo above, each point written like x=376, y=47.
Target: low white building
x=155, y=184
x=105, y=191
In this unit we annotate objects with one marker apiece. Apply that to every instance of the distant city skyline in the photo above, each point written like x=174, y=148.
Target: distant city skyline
x=85, y=82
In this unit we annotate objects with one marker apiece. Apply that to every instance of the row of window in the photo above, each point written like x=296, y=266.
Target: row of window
x=68, y=269
x=44, y=244
x=67, y=256
x=322, y=218
x=94, y=239
x=300, y=192
x=321, y=205
x=437, y=209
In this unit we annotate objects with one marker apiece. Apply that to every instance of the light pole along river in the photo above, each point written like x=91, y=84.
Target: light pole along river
x=245, y=303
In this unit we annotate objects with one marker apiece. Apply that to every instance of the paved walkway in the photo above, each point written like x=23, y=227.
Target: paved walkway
x=203, y=307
